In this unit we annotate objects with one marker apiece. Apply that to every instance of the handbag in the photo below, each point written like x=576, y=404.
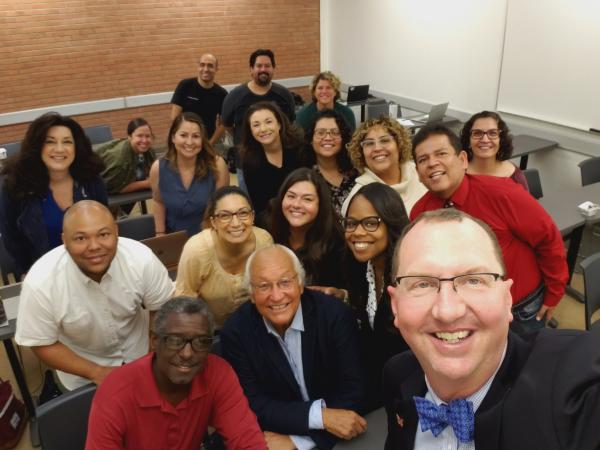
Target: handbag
x=13, y=417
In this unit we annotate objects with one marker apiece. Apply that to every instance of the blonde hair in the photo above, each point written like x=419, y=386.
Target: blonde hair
x=400, y=134
x=327, y=76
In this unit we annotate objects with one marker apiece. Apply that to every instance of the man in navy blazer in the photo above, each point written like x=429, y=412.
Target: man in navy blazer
x=295, y=352
x=468, y=382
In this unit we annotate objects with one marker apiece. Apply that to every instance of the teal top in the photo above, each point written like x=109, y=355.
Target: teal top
x=306, y=116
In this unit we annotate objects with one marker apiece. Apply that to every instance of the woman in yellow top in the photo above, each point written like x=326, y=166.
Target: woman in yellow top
x=213, y=261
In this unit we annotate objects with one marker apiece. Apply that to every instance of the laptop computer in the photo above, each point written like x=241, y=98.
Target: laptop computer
x=357, y=93
x=168, y=248
x=435, y=115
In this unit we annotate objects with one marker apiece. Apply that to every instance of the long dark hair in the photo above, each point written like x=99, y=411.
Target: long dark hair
x=205, y=160
x=290, y=135
x=27, y=175
x=505, y=149
x=390, y=207
x=342, y=158
x=324, y=233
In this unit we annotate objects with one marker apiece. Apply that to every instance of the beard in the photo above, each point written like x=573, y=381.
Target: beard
x=263, y=79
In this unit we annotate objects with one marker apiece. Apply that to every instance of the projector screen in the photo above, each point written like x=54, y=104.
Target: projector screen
x=551, y=62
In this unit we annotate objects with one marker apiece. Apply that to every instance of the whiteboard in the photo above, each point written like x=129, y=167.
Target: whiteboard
x=551, y=62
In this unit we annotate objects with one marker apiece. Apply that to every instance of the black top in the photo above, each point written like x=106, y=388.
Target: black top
x=207, y=103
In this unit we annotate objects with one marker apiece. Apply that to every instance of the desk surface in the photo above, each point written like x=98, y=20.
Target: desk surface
x=130, y=197
x=562, y=205
x=373, y=438
x=524, y=144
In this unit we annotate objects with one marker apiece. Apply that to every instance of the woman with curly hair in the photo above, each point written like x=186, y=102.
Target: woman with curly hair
x=55, y=168
x=486, y=139
x=372, y=226
x=381, y=151
x=302, y=219
x=270, y=151
x=325, y=92
x=326, y=153
x=183, y=181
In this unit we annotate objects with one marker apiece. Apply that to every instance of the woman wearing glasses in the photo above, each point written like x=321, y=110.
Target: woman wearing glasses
x=373, y=223
x=327, y=139
x=212, y=262
x=381, y=151
x=488, y=143
x=302, y=219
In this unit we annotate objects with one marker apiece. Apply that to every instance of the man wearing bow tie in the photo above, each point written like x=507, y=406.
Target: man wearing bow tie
x=469, y=382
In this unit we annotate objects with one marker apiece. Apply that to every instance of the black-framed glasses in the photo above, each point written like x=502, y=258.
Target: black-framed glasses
x=320, y=133
x=383, y=141
x=176, y=343
x=370, y=223
x=491, y=134
x=469, y=285
x=227, y=216
x=284, y=284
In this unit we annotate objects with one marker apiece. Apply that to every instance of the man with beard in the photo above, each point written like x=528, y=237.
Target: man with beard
x=168, y=398
x=260, y=88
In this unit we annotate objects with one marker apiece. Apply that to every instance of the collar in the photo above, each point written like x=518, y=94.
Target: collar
x=459, y=197
x=297, y=323
x=475, y=398
x=146, y=389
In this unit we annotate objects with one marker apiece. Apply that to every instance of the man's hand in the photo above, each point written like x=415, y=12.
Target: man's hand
x=343, y=423
x=276, y=441
x=100, y=374
x=545, y=310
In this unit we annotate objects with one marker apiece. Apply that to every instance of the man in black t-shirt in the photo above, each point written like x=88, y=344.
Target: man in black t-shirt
x=202, y=96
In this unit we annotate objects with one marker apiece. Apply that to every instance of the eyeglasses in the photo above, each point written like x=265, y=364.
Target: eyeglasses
x=492, y=134
x=227, y=216
x=265, y=287
x=176, y=343
x=320, y=133
x=370, y=223
x=468, y=286
x=383, y=141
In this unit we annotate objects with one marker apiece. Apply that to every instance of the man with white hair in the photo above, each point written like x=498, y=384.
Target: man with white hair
x=296, y=354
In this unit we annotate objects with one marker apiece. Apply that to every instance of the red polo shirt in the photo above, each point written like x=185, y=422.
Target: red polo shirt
x=128, y=411
x=531, y=243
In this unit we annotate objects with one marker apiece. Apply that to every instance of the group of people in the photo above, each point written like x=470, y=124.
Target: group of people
x=383, y=267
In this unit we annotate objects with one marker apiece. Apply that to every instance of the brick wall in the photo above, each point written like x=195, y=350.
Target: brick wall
x=56, y=52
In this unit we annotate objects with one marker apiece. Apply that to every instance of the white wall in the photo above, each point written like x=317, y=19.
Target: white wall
x=423, y=52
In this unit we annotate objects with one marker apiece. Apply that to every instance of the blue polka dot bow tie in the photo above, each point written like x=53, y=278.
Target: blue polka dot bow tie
x=458, y=414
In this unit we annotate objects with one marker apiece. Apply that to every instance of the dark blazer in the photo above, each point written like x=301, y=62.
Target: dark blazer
x=22, y=222
x=546, y=395
x=330, y=359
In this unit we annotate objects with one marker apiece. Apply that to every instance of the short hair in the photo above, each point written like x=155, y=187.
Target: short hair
x=262, y=52
x=342, y=158
x=295, y=261
x=134, y=124
x=445, y=215
x=84, y=205
x=505, y=148
x=182, y=305
x=218, y=195
x=209, y=53
x=400, y=134
x=205, y=160
x=435, y=130
x=326, y=76
x=27, y=175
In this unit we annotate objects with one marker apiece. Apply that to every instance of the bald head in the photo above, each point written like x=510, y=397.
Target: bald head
x=90, y=237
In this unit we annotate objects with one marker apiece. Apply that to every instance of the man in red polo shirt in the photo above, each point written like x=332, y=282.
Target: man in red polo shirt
x=531, y=243
x=168, y=398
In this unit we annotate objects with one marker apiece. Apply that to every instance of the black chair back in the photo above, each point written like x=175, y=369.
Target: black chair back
x=590, y=170
x=534, y=182
x=99, y=134
x=62, y=421
x=12, y=148
x=137, y=227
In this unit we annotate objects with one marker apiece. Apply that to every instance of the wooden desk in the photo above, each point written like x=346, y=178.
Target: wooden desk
x=373, y=438
x=524, y=144
x=131, y=197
